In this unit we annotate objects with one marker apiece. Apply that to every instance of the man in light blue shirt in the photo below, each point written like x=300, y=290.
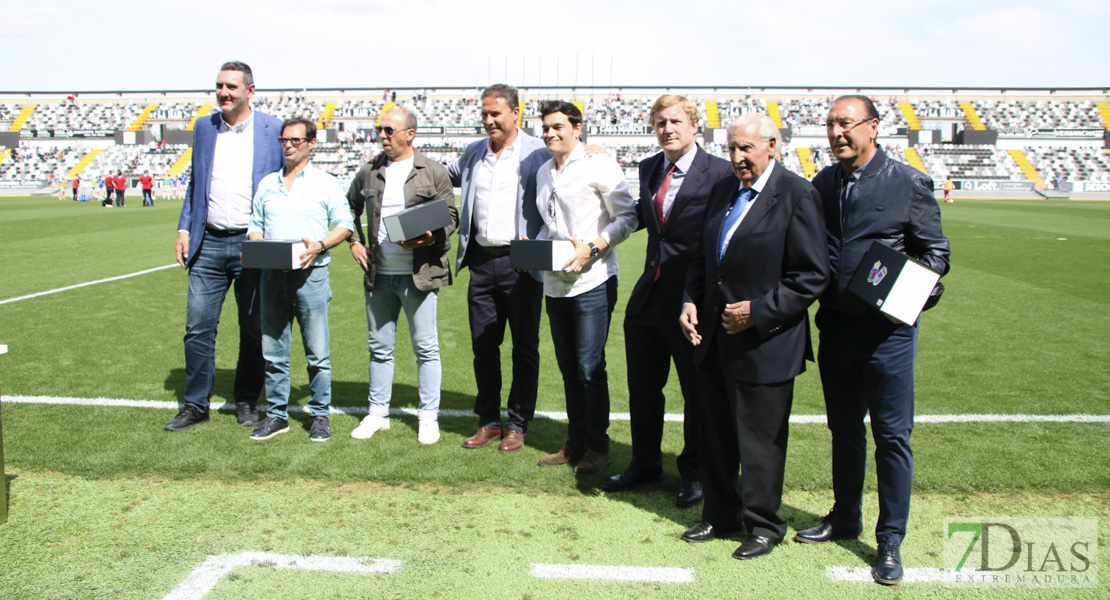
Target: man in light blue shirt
x=298, y=203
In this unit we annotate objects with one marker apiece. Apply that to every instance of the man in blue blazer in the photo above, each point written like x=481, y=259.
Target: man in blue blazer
x=674, y=189
x=764, y=260
x=498, y=181
x=232, y=151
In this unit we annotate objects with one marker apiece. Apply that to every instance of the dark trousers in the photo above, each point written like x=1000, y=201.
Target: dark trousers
x=579, y=330
x=498, y=295
x=744, y=429
x=652, y=338
x=119, y=198
x=148, y=197
x=867, y=367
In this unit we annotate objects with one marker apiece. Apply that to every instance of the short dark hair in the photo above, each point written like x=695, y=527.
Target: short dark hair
x=559, y=106
x=507, y=93
x=869, y=109
x=242, y=67
x=309, y=126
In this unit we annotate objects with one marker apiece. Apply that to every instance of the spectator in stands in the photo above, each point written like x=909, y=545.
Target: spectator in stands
x=498, y=180
x=298, y=202
x=147, y=183
x=866, y=360
x=403, y=275
x=233, y=150
x=120, y=183
x=674, y=189
x=583, y=199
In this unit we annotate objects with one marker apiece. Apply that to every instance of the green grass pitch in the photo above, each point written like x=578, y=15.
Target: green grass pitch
x=105, y=504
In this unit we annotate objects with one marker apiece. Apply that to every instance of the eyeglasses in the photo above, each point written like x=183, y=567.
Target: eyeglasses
x=389, y=130
x=844, y=125
x=295, y=141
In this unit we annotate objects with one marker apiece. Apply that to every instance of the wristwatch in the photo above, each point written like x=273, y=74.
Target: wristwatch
x=593, y=250
x=323, y=248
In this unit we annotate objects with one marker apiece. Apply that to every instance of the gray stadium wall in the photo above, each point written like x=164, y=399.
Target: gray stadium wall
x=9, y=139
x=923, y=136
x=177, y=136
x=972, y=137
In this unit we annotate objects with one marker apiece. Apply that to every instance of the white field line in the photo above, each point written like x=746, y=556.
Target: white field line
x=214, y=568
x=87, y=283
x=553, y=415
x=913, y=575
x=607, y=573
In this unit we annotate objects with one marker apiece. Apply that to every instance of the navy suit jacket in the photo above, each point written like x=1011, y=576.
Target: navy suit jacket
x=268, y=158
x=778, y=259
x=533, y=153
x=674, y=244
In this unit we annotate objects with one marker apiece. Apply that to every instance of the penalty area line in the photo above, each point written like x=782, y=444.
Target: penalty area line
x=553, y=415
x=607, y=573
x=86, y=284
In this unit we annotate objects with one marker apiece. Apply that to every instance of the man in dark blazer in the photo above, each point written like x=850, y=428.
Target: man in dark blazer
x=763, y=261
x=232, y=151
x=674, y=188
x=498, y=181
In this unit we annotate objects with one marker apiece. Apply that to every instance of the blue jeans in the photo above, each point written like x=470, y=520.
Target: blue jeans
x=383, y=308
x=579, y=330
x=216, y=268
x=303, y=294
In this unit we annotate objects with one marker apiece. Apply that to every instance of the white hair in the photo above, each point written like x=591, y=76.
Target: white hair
x=767, y=128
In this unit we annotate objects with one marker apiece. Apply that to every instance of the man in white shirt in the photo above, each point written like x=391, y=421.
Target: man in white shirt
x=583, y=199
x=401, y=275
x=498, y=181
x=298, y=202
x=233, y=150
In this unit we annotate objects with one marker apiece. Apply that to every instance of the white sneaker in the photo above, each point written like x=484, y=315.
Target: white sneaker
x=371, y=424
x=428, y=431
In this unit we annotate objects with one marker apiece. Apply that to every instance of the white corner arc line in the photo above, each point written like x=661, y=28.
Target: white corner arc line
x=608, y=573
x=87, y=283
x=202, y=579
x=911, y=575
x=553, y=415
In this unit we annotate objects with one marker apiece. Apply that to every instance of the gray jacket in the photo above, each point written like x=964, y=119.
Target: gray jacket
x=427, y=181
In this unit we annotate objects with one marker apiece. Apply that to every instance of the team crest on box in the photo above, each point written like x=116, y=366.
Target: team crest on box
x=878, y=272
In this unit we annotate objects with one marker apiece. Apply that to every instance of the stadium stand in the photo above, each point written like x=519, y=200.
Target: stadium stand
x=1027, y=155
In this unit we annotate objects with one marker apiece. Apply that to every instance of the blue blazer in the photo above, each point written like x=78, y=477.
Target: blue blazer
x=533, y=153
x=268, y=158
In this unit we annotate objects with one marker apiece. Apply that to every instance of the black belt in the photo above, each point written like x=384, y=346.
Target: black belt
x=223, y=233
x=493, y=250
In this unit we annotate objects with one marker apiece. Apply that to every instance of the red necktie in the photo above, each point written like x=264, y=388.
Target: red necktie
x=661, y=195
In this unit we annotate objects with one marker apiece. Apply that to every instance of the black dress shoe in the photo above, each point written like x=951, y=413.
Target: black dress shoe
x=888, y=565
x=628, y=480
x=755, y=545
x=689, y=494
x=826, y=531
x=702, y=532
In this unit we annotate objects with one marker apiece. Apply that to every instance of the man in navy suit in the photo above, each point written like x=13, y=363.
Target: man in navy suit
x=498, y=181
x=674, y=188
x=763, y=261
x=232, y=151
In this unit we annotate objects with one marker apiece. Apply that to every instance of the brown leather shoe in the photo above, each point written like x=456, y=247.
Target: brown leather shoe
x=592, y=463
x=513, y=441
x=484, y=436
x=564, y=456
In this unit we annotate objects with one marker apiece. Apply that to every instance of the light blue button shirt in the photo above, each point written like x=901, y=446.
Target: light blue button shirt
x=315, y=202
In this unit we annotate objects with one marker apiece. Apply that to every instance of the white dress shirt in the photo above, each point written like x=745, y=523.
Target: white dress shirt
x=229, y=201
x=495, y=195
x=758, y=187
x=588, y=198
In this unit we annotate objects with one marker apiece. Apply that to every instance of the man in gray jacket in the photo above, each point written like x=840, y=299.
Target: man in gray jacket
x=404, y=274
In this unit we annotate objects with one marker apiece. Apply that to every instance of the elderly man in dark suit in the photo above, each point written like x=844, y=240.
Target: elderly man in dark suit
x=763, y=262
x=674, y=189
x=233, y=150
